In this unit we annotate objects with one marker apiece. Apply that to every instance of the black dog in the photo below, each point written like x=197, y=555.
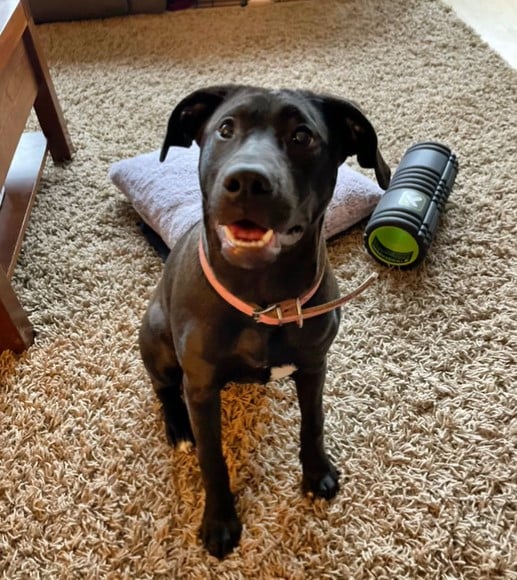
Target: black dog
x=241, y=292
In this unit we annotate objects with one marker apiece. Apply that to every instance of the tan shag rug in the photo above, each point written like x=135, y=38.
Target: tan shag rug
x=420, y=402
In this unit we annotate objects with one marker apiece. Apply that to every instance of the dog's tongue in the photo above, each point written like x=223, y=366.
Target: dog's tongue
x=247, y=231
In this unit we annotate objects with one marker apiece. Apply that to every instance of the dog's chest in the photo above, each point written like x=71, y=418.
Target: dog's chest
x=264, y=355
x=282, y=372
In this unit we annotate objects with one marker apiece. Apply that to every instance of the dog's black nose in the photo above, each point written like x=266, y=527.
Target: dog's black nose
x=247, y=181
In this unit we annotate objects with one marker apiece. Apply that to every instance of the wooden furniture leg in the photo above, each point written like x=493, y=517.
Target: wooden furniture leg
x=24, y=83
x=16, y=330
x=46, y=104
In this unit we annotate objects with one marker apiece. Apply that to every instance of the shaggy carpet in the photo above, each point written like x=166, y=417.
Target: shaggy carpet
x=420, y=397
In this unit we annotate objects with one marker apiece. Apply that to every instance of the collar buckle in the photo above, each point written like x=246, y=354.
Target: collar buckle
x=258, y=312
x=286, y=309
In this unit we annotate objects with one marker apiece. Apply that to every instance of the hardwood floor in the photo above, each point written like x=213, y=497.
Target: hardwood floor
x=494, y=20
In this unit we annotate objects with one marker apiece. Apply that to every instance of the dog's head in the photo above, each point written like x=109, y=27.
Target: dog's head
x=269, y=162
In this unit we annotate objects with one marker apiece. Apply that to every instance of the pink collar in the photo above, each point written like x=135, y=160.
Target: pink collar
x=283, y=312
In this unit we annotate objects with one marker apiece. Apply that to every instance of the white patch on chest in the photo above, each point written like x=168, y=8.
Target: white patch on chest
x=278, y=373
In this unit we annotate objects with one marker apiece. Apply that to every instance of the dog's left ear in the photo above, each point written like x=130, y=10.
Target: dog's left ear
x=190, y=115
x=353, y=134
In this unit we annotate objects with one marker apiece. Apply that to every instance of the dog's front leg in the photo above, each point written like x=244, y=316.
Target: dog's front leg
x=320, y=477
x=221, y=528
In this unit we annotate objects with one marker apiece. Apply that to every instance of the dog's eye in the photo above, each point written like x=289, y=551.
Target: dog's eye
x=303, y=136
x=226, y=129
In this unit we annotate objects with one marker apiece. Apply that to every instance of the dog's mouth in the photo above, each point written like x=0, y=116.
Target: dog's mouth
x=247, y=234
x=247, y=244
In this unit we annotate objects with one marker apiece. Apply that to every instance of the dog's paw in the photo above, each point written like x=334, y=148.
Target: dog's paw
x=325, y=485
x=180, y=436
x=220, y=536
x=185, y=446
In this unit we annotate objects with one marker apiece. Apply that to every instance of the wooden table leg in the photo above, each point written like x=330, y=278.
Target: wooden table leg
x=24, y=83
x=16, y=332
x=47, y=107
x=20, y=188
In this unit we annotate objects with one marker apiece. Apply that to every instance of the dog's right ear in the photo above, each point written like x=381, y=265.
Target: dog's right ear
x=189, y=117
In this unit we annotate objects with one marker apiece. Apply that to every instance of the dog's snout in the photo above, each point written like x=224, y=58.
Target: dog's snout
x=247, y=181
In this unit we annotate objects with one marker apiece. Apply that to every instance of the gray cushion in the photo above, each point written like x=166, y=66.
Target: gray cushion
x=168, y=198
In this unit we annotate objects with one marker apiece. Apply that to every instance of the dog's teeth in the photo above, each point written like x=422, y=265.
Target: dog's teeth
x=266, y=238
x=249, y=244
x=228, y=232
